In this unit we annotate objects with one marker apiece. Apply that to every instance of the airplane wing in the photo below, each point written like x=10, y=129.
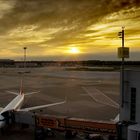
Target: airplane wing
x=41, y=106
x=116, y=119
x=11, y=92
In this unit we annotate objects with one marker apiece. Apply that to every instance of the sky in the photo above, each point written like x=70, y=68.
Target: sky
x=52, y=29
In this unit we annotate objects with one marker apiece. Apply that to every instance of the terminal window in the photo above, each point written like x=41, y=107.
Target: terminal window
x=133, y=104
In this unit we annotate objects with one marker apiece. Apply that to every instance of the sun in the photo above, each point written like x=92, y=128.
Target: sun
x=74, y=50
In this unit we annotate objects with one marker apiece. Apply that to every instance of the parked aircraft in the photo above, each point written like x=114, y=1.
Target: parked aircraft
x=16, y=104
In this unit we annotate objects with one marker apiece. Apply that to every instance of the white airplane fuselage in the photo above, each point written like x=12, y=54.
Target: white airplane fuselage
x=15, y=104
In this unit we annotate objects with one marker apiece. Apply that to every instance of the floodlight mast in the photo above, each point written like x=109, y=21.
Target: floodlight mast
x=121, y=35
x=24, y=68
x=25, y=48
x=123, y=67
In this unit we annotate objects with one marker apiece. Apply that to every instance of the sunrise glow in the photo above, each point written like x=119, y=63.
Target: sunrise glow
x=53, y=32
x=74, y=50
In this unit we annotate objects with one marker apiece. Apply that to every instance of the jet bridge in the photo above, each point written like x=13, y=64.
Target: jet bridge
x=65, y=123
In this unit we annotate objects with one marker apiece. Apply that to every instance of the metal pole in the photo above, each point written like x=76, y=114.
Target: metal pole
x=22, y=74
x=122, y=67
x=25, y=57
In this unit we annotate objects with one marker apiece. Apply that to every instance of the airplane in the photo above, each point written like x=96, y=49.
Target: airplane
x=16, y=104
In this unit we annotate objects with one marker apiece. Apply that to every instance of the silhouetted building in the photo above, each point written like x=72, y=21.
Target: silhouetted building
x=6, y=63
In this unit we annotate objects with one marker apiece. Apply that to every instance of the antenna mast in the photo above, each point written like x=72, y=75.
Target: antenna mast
x=123, y=52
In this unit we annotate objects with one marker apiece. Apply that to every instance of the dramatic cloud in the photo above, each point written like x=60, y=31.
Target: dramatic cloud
x=49, y=27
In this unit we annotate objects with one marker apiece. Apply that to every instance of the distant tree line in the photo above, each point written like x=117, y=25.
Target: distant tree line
x=90, y=63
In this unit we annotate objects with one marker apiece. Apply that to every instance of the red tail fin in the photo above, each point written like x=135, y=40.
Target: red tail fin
x=21, y=87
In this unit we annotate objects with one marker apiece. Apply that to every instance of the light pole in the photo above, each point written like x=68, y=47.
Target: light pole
x=121, y=35
x=123, y=66
x=25, y=48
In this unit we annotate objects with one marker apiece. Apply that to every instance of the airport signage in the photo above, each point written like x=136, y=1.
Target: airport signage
x=123, y=52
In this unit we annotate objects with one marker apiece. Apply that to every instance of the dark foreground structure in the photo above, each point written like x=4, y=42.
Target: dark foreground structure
x=70, y=126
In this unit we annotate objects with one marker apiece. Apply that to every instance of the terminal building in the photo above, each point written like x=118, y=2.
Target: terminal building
x=130, y=106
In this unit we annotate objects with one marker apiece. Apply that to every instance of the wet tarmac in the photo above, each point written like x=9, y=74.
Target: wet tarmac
x=54, y=85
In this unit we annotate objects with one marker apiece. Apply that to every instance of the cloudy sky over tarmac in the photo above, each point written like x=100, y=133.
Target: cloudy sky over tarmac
x=68, y=29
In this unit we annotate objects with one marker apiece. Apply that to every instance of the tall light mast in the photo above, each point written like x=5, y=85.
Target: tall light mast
x=25, y=48
x=123, y=59
x=123, y=52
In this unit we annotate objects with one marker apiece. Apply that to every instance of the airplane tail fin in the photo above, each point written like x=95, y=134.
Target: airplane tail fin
x=21, y=87
x=20, y=91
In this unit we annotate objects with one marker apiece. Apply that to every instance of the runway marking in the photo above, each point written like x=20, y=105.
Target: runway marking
x=100, y=97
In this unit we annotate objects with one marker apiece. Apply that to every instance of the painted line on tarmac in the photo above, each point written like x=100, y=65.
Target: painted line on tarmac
x=96, y=95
